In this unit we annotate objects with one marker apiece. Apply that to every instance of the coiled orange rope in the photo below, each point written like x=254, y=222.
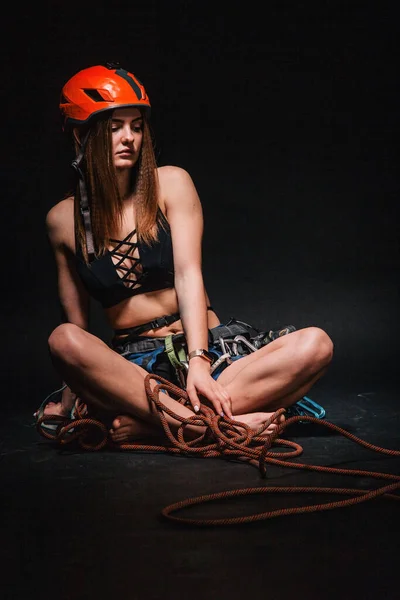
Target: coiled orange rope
x=223, y=437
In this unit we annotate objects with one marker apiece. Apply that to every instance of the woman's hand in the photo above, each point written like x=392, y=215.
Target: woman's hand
x=200, y=383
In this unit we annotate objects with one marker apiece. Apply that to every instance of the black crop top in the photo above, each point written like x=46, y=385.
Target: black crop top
x=130, y=268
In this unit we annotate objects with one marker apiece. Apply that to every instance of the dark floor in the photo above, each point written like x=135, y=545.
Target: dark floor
x=87, y=524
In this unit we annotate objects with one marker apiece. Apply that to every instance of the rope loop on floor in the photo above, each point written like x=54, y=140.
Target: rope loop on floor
x=227, y=438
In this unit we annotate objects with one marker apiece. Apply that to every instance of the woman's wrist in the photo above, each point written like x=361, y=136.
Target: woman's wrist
x=198, y=362
x=200, y=353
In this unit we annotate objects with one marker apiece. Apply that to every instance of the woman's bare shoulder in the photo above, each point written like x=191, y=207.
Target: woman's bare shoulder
x=171, y=174
x=176, y=186
x=60, y=222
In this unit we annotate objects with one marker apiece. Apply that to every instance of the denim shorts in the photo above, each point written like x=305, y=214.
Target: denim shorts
x=156, y=362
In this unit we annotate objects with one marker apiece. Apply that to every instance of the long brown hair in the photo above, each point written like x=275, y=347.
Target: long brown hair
x=106, y=204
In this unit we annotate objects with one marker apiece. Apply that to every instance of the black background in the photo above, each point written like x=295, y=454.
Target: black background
x=286, y=116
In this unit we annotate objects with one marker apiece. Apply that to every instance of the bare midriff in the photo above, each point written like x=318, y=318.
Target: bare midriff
x=147, y=307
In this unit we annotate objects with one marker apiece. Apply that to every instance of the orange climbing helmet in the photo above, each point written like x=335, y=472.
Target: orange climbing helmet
x=96, y=89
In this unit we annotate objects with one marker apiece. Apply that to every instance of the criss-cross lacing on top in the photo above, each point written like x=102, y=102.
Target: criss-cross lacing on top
x=126, y=258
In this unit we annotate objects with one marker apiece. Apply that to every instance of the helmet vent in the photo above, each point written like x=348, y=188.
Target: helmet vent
x=94, y=95
x=125, y=75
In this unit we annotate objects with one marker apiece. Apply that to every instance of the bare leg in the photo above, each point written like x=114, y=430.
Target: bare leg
x=280, y=373
x=102, y=378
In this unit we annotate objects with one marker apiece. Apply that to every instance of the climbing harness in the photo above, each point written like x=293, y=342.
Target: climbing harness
x=224, y=438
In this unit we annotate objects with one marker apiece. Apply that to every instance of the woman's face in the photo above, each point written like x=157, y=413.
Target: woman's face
x=127, y=136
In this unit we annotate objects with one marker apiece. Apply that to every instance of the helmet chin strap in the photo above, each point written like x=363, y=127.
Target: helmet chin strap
x=84, y=202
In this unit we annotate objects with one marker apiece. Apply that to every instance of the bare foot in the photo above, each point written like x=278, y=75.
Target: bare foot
x=257, y=420
x=126, y=429
x=54, y=408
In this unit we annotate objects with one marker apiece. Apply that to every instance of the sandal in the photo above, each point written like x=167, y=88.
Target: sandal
x=48, y=425
x=306, y=408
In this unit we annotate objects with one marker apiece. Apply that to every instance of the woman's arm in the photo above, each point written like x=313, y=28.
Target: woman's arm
x=185, y=216
x=74, y=299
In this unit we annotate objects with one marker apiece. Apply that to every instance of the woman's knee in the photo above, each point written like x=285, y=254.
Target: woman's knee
x=317, y=348
x=65, y=342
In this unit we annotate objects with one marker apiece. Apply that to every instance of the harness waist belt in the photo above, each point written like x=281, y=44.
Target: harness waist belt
x=155, y=324
x=143, y=344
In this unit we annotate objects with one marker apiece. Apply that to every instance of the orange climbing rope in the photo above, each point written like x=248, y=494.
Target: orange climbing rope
x=222, y=437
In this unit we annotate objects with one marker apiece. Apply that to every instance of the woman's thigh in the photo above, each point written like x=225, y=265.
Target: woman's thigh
x=286, y=363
